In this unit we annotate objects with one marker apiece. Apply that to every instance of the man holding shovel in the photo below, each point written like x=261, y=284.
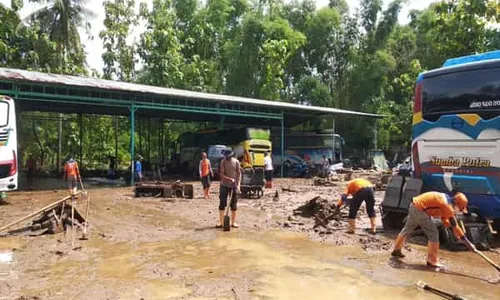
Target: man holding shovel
x=230, y=173
x=361, y=190
x=422, y=208
x=72, y=176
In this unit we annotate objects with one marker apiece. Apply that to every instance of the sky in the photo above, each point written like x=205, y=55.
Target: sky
x=94, y=47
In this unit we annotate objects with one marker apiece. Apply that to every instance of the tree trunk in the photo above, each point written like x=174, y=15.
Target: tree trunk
x=42, y=152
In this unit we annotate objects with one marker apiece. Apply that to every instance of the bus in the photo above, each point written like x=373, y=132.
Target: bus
x=8, y=146
x=456, y=130
x=456, y=142
x=311, y=146
x=248, y=144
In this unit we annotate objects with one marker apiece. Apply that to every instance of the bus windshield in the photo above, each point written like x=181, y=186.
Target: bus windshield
x=471, y=91
x=4, y=113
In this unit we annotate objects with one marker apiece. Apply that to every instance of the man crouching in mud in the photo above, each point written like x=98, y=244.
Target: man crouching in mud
x=230, y=173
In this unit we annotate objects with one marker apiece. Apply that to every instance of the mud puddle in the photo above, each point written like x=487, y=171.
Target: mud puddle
x=241, y=265
x=145, y=248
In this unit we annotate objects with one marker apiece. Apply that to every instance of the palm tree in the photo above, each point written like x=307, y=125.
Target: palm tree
x=60, y=19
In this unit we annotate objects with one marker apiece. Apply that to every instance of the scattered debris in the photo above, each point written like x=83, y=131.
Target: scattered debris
x=321, y=209
x=289, y=190
x=372, y=244
x=51, y=219
x=236, y=294
x=324, y=182
x=276, y=196
x=165, y=190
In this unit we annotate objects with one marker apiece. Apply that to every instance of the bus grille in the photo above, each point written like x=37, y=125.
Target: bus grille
x=4, y=170
x=4, y=136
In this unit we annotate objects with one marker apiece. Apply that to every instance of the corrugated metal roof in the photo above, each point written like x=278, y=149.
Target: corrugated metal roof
x=87, y=82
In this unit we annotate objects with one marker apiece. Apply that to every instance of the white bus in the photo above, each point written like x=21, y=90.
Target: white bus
x=8, y=146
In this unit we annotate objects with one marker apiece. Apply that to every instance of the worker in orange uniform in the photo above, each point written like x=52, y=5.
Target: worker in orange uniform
x=72, y=175
x=422, y=208
x=205, y=169
x=361, y=190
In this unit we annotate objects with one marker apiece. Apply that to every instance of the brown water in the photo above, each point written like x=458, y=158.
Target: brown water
x=279, y=266
x=156, y=254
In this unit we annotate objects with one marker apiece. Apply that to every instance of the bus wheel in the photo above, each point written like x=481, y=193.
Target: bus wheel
x=392, y=220
x=444, y=236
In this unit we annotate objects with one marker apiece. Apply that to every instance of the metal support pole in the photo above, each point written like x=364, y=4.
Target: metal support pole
x=116, y=143
x=132, y=141
x=80, y=121
x=59, y=142
x=333, y=139
x=221, y=124
x=375, y=133
x=282, y=142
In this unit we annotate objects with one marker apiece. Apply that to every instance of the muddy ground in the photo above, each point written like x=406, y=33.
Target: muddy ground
x=146, y=248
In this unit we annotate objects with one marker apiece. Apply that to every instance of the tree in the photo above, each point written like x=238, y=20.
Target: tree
x=160, y=47
x=118, y=56
x=452, y=28
x=340, y=5
x=24, y=48
x=60, y=20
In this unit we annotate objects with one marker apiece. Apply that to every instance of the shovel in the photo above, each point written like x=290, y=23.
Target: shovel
x=227, y=219
x=85, y=196
x=436, y=291
x=488, y=260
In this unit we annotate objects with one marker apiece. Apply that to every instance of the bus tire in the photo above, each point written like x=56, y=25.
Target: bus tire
x=392, y=220
x=445, y=238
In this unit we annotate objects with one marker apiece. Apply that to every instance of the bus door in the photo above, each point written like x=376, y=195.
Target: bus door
x=8, y=145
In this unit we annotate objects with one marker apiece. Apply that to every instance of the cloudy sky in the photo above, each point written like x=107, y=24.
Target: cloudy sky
x=94, y=47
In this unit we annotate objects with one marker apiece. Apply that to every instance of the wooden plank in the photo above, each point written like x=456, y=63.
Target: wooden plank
x=52, y=205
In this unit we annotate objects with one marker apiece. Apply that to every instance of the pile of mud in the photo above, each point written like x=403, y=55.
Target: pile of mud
x=379, y=179
x=322, y=210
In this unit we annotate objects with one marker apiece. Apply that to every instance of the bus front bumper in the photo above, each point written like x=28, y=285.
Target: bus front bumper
x=8, y=184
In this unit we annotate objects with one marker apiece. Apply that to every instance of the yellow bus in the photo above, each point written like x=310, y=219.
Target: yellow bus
x=249, y=145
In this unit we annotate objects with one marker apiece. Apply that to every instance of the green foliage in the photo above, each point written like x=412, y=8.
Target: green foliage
x=452, y=28
x=271, y=49
x=24, y=48
x=118, y=57
x=160, y=47
x=60, y=21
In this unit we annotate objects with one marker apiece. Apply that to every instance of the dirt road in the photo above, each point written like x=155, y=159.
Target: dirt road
x=145, y=248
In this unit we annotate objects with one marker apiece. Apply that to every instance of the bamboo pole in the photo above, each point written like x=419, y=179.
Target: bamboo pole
x=36, y=212
x=73, y=203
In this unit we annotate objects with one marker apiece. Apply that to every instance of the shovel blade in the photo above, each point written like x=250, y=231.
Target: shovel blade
x=227, y=223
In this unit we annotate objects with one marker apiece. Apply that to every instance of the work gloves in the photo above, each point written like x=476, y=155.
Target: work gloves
x=344, y=200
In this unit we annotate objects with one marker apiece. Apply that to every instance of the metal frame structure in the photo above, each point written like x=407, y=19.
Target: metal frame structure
x=35, y=91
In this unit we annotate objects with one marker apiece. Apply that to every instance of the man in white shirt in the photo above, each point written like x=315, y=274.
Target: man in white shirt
x=268, y=170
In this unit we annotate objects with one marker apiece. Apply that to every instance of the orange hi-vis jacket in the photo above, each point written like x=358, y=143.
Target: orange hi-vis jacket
x=204, y=167
x=439, y=205
x=71, y=169
x=353, y=188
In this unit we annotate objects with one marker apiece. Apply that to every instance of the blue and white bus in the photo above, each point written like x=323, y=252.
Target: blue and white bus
x=456, y=130
x=8, y=146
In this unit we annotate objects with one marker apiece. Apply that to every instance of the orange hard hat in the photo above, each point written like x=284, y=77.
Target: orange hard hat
x=461, y=201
